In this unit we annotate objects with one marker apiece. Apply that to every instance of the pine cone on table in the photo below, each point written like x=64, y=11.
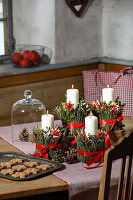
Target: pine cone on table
x=23, y=135
x=58, y=155
x=62, y=155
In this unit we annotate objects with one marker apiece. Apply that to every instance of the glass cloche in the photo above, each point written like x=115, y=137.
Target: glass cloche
x=26, y=114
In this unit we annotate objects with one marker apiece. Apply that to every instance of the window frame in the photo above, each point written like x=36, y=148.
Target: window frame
x=10, y=42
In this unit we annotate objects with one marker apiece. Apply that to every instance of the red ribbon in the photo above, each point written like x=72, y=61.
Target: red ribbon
x=74, y=141
x=75, y=125
x=43, y=149
x=112, y=122
x=98, y=155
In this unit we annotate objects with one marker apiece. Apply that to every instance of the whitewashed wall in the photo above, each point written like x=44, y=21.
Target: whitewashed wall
x=51, y=23
x=105, y=30
x=117, y=36
x=34, y=22
x=78, y=39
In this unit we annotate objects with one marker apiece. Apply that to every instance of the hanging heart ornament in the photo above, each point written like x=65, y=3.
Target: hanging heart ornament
x=77, y=6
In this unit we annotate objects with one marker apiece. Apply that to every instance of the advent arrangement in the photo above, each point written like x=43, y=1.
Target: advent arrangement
x=85, y=132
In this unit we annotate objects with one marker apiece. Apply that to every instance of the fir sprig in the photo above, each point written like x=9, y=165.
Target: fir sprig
x=92, y=143
x=105, y=111
x=46, y=137
x=68, y=114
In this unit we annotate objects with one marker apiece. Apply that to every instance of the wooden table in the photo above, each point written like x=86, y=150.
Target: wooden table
x=49, y=186
x=46, y=185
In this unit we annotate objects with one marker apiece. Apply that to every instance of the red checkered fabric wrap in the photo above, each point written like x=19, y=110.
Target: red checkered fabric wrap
x=122, y=83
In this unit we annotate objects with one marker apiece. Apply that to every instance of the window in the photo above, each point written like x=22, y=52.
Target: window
x=6, y=33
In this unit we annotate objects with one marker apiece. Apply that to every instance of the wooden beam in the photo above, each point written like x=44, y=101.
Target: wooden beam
x=44, y=76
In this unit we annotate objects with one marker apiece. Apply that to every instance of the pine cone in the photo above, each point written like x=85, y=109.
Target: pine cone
x=58, y=155
x=69, y=159
x=23, y=135
x=62, y=155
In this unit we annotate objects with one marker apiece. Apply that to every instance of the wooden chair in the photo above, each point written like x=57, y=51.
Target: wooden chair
x=122, y=149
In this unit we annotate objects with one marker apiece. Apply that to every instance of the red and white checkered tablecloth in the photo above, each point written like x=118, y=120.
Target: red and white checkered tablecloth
x=122, y=83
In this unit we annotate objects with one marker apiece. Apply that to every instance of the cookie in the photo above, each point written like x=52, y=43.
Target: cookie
x=15, y=175
x=19, y=175
x=5, y=165
x=6, y=171
x=16, y=160
x=31, y=164
x=19, y=167
x=43, y=167
x=31, y=171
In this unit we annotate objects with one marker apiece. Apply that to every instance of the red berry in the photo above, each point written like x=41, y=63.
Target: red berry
x=103, y=106
x=16, y=58
x=35, y=58
x=101, y=134
x=25, y=63
x=26, y=54
x=40, y=133
x=55, y=132
x=94, y=106
x=71, y=109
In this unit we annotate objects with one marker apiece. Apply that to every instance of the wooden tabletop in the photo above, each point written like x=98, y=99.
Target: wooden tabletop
x=128, y=121
x=15, y=189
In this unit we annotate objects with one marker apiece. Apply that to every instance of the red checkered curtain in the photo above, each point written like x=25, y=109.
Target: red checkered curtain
x=94, y=81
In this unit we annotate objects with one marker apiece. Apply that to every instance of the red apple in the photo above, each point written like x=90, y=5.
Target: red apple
x=16, y=58
x=35, y=58
x=25, y=63
x=26, y=54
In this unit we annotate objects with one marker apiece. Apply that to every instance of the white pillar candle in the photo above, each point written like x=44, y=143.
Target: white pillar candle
x=108, y=94
x=91, y=125
x=72, y=96
x=47, y=121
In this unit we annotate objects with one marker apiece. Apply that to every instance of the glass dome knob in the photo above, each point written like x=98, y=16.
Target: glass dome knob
x=28, y=95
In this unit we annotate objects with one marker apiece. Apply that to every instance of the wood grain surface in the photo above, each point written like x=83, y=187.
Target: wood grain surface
x=14, y=189
x=44, y=185
x=47, y=86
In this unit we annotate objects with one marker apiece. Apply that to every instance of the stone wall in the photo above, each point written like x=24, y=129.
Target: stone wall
x=105, y=29
x=78, y=39
x=117, y=36
x=34, y=22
